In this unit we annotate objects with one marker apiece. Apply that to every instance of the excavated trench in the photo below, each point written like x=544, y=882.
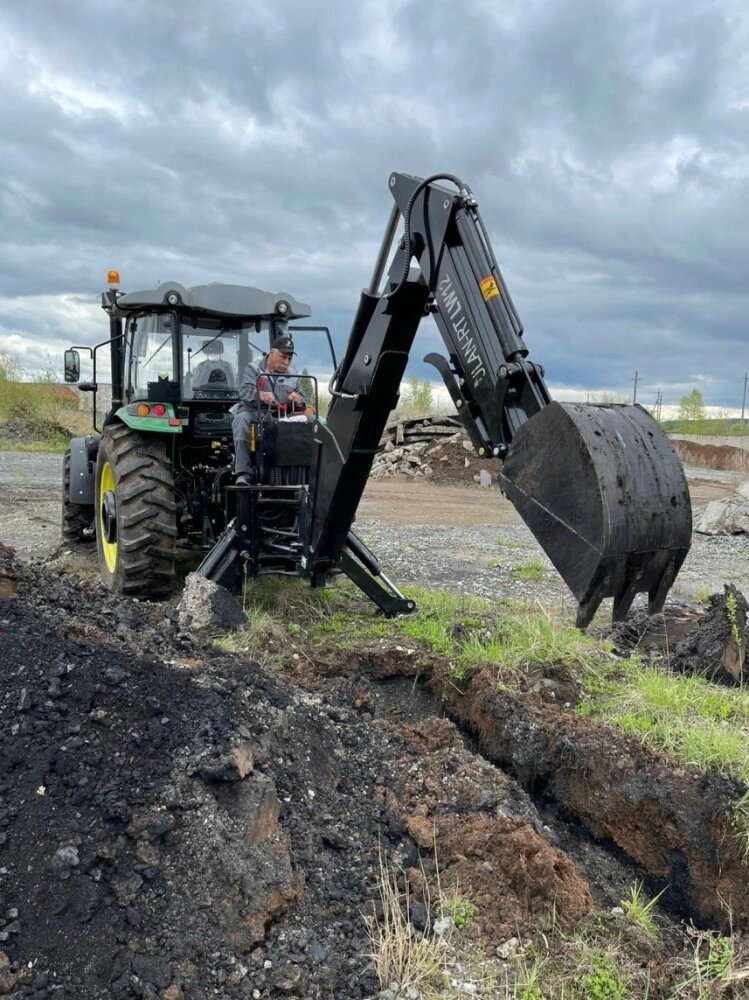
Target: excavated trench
x=176, y=823
x=586, y=780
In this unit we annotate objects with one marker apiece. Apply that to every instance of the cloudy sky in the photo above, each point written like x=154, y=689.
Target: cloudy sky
x=251, y=141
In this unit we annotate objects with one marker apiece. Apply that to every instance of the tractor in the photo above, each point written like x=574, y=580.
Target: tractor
x=600, y=487
x=159, y=470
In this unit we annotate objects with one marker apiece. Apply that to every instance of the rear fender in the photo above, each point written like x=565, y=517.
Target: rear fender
x=149, y=424
x=83, y=453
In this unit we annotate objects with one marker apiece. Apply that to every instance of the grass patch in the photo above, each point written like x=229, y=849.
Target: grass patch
x=703, y=595
x=54, y=446
x=399, y=954
x=526, y=635
x=531, y=570
x=695, y=722
x=507, y=543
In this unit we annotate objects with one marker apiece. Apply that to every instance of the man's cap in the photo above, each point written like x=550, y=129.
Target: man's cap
x=212, y=346
x=283, y=344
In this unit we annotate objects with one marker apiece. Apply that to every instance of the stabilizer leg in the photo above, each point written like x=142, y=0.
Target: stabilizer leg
x=366, y=573
x=224, y=564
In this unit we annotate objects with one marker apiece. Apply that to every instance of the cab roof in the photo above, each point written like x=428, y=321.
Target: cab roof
x=215, y=299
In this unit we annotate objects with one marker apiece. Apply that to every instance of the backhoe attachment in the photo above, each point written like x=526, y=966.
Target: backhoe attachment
x=600, y=487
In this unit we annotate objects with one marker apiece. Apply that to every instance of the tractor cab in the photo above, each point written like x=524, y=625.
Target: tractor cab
x=163, y=459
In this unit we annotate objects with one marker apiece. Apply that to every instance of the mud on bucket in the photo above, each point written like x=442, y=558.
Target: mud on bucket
x=605, y=495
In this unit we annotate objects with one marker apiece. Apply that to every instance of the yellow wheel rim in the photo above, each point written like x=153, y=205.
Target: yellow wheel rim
x=106, y=485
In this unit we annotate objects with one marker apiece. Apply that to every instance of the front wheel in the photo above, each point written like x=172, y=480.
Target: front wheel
x=135, y=513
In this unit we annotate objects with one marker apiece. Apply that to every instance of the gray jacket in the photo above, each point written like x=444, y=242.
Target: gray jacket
x=256, y=375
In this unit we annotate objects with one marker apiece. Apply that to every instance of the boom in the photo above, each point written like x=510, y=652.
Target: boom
x=615, y=519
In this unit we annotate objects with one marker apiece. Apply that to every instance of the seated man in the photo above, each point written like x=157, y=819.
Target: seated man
x=213, y=372
x=265, y=384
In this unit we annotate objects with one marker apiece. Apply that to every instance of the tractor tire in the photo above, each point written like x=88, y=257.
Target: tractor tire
x=76, y=517
x=136, y=522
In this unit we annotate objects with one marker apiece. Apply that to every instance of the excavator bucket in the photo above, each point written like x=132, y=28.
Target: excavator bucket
x=605, y=495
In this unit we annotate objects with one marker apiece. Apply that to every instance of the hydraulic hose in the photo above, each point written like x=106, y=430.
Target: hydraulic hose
x=407, y=249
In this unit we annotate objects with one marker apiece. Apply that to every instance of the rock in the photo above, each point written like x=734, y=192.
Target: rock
x=8, y=979
x=152, y=970
x=232, y=766
x=468, y=446
x=485, y=477
x=484, y=801
x=418, y=915
x=64, y=860
x=317, y=953
x=150, y=824
x=207, y=606
x=508, y=948
x=725, y=517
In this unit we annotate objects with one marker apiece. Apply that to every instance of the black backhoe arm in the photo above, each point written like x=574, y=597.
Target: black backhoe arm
x=600, y=487
x=492, y=384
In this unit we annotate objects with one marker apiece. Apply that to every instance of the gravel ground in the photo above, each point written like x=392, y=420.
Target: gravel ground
x=474, y=558
x=486, y=559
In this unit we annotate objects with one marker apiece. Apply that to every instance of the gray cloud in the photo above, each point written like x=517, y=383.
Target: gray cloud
x=606, y=141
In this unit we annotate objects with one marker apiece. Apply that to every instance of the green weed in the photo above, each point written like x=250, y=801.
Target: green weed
x=458, y=908
x=531, y=570
x=639, y=911
x=732, y=616
x=603, y=982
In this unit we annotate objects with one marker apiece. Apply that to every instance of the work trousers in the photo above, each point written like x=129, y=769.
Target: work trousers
x=240, y=427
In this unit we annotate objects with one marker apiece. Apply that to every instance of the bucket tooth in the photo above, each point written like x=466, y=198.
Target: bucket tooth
x=586, y=611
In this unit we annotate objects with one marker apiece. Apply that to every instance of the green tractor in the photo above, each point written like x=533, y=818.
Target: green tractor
x=159, y=471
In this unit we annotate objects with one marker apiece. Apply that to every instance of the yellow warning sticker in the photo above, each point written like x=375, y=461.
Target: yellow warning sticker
x=488, y=288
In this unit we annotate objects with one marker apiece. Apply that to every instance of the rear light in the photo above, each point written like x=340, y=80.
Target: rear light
x=158, y=410
x=143, y=409
x=174, y=422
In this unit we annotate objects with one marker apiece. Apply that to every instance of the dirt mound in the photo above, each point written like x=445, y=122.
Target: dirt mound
x=716, y=646
x=481, y=827
x=448, y=464
x=161, y=813
x=175, y=823
x=22, y=431
x=712, y=456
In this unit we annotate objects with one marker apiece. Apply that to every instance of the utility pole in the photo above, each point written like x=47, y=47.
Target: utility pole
x=743, y=398
x=657, y=406
x=634, y=391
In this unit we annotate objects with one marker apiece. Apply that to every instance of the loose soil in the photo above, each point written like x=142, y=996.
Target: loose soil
x=177, y=823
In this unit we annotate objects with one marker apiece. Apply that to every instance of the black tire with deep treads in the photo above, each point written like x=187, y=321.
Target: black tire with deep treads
x=76, y=517
x=146, y=512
